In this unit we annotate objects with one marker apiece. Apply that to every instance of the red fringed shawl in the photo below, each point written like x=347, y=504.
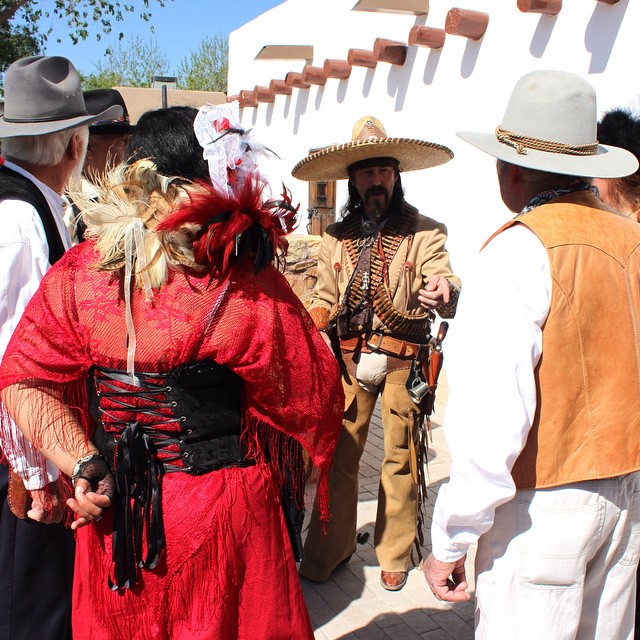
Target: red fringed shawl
x=252, y=323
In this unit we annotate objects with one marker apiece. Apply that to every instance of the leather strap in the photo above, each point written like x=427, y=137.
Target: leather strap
x=15, y=185
x=379, y=343
x=18, y=498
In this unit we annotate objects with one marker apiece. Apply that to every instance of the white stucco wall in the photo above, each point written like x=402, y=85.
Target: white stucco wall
x=463, y=86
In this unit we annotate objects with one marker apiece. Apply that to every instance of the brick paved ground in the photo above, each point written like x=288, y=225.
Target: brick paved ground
x=352, y=605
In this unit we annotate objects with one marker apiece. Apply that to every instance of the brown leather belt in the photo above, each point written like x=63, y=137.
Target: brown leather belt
x=379, y=343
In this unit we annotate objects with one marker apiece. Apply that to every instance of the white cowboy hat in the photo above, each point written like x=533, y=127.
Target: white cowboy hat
x=369, y=140
x=42, y=94
x=551, y=125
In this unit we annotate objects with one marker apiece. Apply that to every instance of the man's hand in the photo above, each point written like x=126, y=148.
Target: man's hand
x=436, y=293
x=447, y=580
x=46, y=504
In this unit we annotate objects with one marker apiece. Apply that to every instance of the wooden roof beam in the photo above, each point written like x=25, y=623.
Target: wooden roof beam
x=431, y=37
x=294, y=79
x=546, y=7
x=390, y=51
x=340, y=69
x=466, y=23
x=279, y=87
x=362, y=58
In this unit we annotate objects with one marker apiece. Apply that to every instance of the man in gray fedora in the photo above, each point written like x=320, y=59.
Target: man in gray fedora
x=545, y=452
x=43, y=133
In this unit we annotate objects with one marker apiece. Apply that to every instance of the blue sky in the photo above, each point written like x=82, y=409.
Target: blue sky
x=179, y=28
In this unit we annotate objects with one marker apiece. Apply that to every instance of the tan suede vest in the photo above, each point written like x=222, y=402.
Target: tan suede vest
x=587, y=422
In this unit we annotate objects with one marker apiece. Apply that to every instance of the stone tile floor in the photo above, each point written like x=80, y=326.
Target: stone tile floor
x=352, y=605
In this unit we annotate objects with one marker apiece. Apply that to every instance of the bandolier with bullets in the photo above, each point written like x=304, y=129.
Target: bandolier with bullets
x=383, y=272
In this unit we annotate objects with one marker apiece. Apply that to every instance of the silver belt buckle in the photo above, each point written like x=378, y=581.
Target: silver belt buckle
x=374, y=347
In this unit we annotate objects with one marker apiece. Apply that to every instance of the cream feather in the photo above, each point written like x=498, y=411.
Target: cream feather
x=126, y=195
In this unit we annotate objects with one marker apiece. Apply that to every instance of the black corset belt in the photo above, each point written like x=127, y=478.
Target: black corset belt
x=136, y=433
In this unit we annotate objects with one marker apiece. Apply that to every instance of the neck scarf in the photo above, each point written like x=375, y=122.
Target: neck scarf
x=551, y=194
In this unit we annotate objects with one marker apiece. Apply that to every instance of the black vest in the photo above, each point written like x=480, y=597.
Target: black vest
x=16, y=186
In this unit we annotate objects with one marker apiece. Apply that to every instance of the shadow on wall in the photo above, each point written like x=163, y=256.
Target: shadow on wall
x=319, y=96
x=542, y=35
x=301, y=109
x=470, y=57
x=432, y=65
x=602, y=32
x=396, y=80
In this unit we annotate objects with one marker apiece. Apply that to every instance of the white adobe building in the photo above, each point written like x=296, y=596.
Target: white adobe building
x=462, y=85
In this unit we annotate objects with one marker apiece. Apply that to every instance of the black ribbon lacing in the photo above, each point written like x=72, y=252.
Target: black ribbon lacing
x=138, y=473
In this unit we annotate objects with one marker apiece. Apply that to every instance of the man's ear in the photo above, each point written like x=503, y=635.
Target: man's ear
x=517, y=174
x=75, y=148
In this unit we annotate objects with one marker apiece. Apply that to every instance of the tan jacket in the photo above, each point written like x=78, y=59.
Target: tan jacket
x=417, y=259
x=587, y=423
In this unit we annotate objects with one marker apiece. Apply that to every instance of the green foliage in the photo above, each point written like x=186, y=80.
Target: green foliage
x=129, y=65
x=20, y=21
x=206, y=69
x=17, y=42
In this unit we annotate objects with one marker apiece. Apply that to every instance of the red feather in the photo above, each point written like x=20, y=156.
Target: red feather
x=216, y=243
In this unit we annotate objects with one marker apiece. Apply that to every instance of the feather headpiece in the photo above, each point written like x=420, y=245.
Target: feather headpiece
x=234, y=226
x=234, y=220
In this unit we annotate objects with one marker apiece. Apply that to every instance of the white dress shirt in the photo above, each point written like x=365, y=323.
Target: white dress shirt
x=24, y=259
x=492, y=391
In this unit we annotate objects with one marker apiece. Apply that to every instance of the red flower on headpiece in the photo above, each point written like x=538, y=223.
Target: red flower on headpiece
x=221, y=125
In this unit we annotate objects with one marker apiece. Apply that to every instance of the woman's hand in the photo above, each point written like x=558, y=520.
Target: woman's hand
x=94, y=491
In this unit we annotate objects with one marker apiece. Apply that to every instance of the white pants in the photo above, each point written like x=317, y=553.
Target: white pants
x=560, y=564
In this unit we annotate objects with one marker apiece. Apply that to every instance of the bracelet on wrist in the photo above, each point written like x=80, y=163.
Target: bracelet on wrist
x=77, y=468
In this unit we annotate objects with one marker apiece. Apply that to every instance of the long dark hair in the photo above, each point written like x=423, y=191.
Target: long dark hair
x=166, y=136
x=621, y=128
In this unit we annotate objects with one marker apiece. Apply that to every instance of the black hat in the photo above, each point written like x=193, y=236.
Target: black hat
x=98, y=99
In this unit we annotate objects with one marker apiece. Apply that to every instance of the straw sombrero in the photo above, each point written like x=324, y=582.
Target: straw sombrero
x=369, y=140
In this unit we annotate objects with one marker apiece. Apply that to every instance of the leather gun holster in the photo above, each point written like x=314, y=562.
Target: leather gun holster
x=18, y=497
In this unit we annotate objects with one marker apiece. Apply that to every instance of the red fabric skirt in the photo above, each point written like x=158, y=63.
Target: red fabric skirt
x=228, y=571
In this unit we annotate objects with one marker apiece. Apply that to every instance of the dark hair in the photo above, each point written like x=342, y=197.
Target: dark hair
x=166, y=136
x=621, y=128
x=354, y=201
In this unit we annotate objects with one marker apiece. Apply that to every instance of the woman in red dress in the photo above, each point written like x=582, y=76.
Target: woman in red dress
x=169, y=370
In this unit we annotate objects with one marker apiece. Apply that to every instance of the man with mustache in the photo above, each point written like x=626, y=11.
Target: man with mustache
x=382, y=272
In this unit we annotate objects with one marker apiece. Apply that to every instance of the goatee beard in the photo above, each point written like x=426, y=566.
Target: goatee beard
x=377, y=199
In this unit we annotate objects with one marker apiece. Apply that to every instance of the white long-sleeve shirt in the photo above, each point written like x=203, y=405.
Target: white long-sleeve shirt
x=492, y=391
x=24, y=259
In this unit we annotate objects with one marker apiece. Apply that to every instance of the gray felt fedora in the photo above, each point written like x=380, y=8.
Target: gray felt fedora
x=42, y=94
x=550, y=124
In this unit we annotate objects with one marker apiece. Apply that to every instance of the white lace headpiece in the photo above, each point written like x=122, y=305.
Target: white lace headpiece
x=231, y=152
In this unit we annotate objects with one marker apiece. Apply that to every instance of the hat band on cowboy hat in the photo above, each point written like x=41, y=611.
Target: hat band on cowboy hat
x=43, y=95
x=369, y=140
x=550, y=124
x=45, y=118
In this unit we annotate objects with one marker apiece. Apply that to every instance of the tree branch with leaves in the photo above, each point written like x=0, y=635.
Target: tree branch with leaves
x=21, y=21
